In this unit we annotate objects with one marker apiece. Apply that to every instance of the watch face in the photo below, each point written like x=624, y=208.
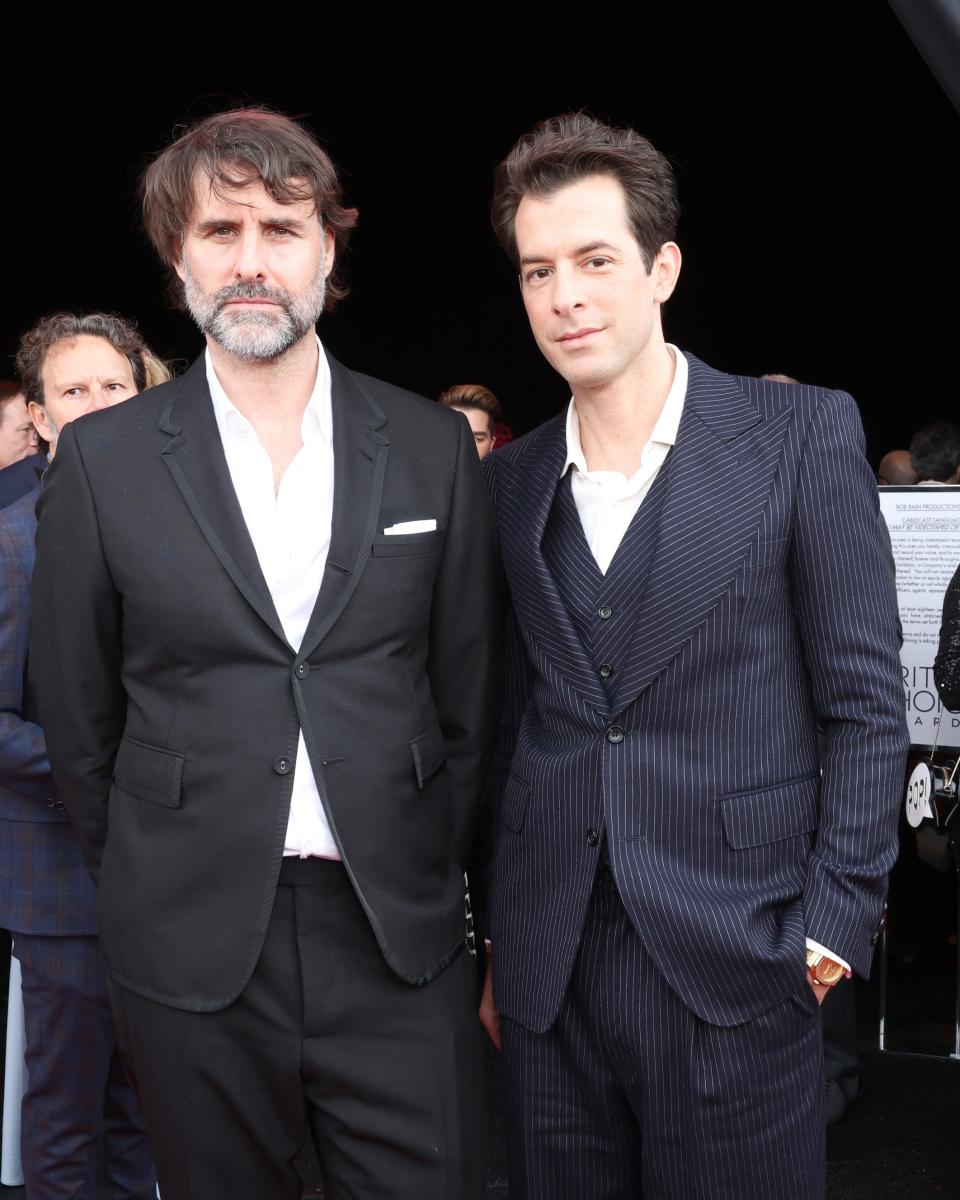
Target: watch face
x=829, y=972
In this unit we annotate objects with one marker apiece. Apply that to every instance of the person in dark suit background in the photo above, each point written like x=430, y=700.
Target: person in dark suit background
x=79, y=1106
x=20, y=464
x=697, y=579
x=268, y=696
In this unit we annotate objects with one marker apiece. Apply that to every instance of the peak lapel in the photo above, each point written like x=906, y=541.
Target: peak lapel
x=719, y=481
x=359, y=465
x=194, y=456
x=542, y=614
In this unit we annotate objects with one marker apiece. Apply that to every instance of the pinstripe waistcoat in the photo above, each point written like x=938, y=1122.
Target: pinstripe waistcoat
x=667, y=712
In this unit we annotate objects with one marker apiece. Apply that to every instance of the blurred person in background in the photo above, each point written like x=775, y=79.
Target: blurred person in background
x=18, y=438
x=20, y=464
x=896, y=469
x=935, y=454
x=79, y=1107
x=481, y=408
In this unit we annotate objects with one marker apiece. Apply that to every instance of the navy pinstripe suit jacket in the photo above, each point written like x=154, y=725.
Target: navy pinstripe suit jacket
x=45, y=887
x=766, y=606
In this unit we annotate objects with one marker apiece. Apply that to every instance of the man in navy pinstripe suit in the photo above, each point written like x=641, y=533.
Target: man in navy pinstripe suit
x=697, y=579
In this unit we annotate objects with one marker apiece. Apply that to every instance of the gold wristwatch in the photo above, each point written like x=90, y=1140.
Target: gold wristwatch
x=824, y=970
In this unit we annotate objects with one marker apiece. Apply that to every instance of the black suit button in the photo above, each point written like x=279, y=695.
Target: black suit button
x=51, y=803
x=606, y=671
x=283, y=765
x=302, y=670
x=605, y=612
x=615, y=735
x=593, y=838
x=60, y=806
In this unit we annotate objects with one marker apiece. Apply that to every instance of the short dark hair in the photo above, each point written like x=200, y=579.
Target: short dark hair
x=566, y=149
x=472, y=395
x=236, y=148
x=122, y=335
x=935, y=451
x=9, y=390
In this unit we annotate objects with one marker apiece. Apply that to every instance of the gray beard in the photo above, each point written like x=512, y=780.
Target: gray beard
x=250, y=334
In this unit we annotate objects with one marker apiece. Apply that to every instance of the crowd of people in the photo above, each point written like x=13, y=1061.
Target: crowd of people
x=291, y=658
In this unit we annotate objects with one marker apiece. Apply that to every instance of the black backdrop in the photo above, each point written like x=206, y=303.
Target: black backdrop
x=816, y=154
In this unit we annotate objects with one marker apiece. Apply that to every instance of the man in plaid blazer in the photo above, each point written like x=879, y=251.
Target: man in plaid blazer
x=79, y=1105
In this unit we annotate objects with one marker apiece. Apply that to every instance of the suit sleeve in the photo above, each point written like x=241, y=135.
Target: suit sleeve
x=24, y=767
x=846, y=614
x=75, y=647
x=464, y=664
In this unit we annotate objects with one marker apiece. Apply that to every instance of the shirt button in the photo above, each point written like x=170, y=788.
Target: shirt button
x=605, y=612
x=282, y=765
x=302, y=670
x=606, y=671
x=615, y=734
x=593, y=838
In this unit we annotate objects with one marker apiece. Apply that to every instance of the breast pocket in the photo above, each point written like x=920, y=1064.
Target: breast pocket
x=404, y=544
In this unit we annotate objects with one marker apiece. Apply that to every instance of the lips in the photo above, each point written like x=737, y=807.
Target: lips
x=577, y=337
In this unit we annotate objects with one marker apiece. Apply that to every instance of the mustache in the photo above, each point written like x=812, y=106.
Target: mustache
x=251, y=291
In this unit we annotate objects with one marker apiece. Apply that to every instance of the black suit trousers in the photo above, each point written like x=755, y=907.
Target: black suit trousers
x=325, y=1041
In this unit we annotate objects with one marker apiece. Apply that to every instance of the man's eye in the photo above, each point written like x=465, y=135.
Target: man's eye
x=598, y=262
x=121, y=387
x=538, y=274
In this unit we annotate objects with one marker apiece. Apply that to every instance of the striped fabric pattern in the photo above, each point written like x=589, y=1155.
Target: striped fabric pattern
x=753, y=602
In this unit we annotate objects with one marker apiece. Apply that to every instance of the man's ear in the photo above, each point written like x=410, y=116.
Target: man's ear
x=666, y=271
x=330, y=250
x=41, y=422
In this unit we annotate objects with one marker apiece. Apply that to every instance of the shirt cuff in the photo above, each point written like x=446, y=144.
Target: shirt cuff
x=818, y=949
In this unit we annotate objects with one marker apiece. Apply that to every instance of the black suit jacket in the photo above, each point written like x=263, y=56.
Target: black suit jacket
x=172, y=700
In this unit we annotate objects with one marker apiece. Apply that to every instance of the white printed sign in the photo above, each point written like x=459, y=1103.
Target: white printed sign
x=924, y=524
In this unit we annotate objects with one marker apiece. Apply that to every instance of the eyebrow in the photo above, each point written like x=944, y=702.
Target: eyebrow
x=213, y=223
x=527, y=259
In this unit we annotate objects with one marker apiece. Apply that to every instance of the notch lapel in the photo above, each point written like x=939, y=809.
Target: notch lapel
x=719, y=482
x=360, y=454
x=543, y=616
x=194, y=457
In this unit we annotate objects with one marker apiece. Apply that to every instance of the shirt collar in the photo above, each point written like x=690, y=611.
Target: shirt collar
x=317, y=416
x=665, y=430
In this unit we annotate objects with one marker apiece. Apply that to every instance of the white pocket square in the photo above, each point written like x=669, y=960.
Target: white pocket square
x=412, y=527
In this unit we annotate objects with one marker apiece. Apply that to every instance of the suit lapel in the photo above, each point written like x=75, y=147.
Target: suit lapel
x=718, y=484
x=194, y=456
x=542, y=613
x=359, y=466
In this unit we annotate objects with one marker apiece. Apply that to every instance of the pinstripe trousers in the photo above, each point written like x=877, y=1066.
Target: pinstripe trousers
x=629, y=1094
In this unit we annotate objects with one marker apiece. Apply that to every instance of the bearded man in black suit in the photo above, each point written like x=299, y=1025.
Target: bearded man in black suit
x=281, y=574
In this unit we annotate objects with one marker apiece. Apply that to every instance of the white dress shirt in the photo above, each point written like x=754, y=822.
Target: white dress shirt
x=607, y=501
x=290, y=530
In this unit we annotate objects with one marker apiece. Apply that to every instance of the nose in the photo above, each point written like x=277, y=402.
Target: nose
x=98, y=399
x=567, y=296
x=32, y=437
x=249, y=264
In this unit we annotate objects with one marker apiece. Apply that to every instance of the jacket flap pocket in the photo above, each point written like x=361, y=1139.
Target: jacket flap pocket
x=772, y=814
x=429, y=755
x=515, y=799
x=149, y=773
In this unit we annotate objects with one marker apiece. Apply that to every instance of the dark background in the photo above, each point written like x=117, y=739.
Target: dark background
x=816, y=154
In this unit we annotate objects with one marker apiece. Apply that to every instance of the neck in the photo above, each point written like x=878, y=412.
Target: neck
x=275, y=388
x=617, y=418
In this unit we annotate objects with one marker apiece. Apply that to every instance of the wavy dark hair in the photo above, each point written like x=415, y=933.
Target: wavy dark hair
x=234, y=149
x=123, y=336
x=569, y=148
